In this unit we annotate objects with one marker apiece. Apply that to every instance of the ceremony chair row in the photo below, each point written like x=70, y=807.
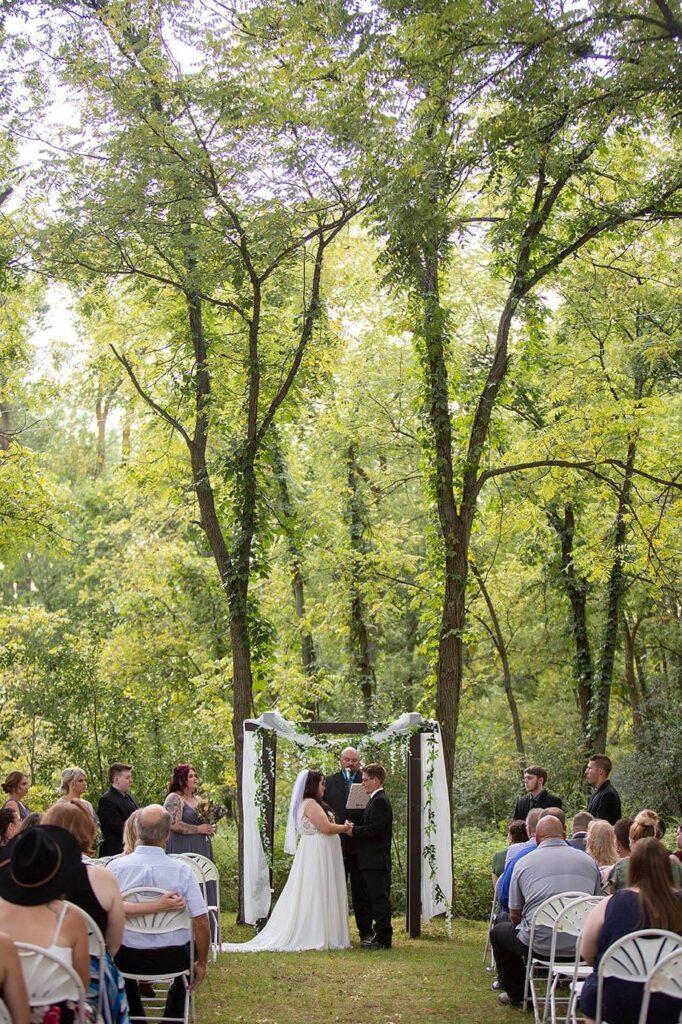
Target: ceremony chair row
x=651, y=957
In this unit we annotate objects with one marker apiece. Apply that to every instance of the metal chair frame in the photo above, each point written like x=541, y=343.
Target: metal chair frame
x=98, y=950
x=160, y=922
x=666, y=978
x=545, y=916
x=494, y=909
x=569, y=921
x=33, y=960
x=633, y=958
x=209, y=873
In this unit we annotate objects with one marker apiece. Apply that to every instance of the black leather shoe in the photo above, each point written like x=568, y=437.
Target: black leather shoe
x=375, y=944
x=366, y=941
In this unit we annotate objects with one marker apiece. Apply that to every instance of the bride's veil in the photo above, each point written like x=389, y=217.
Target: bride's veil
x=295, y=811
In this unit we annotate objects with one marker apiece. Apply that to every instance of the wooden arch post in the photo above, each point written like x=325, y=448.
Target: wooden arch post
x=414, y=807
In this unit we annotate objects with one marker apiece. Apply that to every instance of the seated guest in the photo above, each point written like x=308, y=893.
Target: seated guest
x=601, y=847
x=130, y=839
x=555, y=867
x=555, y=812
x=96, y=891
x=12, y=986
x=16, y=785
x=114, y=808
x=516, y=833
x=580, y=824
x=649, y=901
x=35, y=872
x=513, y=854
x=74, y=783
x=622, y=834
x=9, y=824
x=32, y=819
x=644, y=826
x=534, y=780
x=150, y=865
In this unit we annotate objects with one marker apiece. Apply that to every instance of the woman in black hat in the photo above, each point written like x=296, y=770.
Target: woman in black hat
x=34, y=872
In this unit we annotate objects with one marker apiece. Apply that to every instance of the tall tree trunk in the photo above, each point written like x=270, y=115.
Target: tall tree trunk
x=576, y=589
x=234, y=573
x=308, y=654
x=501, y=646
x=101, y=411
x=362, y=630
x=126, y=432
x=614, y=592
x=454, y=540
x=5, y=427
x=629, y=638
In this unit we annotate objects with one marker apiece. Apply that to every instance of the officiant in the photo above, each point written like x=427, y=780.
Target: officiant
x=336, y=793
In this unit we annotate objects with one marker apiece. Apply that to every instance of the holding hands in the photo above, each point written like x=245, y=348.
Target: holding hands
x=348, y=828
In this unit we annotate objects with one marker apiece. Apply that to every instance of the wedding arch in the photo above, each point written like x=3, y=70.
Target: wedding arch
x=429, y=853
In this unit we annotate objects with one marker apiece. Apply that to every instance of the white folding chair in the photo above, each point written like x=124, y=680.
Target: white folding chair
x=49, y=980
x=633, y=958
x=569, y=921
x=4, y=1014
x=666, y=978
x=98, y=951
x=537, y=966
x=161, y=922
x=188, y=859
x=494, y=909
x=209, y=873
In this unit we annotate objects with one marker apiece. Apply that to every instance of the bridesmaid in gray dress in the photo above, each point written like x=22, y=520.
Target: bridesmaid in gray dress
x=188, y=833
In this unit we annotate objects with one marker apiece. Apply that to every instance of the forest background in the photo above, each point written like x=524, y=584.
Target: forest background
x=340, y=350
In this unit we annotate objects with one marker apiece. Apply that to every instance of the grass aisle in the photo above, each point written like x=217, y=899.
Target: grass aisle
x=427, y=981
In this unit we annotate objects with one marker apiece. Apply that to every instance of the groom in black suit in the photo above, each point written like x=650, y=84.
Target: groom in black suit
x=337, y=787
x=114, y=808
x=373, y=842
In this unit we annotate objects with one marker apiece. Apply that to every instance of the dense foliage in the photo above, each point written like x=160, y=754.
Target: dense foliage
x=340, y=350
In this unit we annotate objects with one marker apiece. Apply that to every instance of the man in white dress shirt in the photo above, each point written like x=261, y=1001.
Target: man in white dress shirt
x=143, y=953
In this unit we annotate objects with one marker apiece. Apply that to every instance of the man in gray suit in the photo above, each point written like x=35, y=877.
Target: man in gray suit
x=580, y=824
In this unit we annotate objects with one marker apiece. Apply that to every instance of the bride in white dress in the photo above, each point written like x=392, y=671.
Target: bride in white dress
x=312, y=911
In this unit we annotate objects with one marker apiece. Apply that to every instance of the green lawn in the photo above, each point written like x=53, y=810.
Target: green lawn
x=430, y=980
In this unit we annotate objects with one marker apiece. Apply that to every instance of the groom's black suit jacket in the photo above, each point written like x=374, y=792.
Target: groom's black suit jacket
x=113, y=810
x=373, y=836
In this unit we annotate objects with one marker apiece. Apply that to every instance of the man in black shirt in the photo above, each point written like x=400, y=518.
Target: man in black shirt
x=114, y=808
x=534, y=780
x=605, y=801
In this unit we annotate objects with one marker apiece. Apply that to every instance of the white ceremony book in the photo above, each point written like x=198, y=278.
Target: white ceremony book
x=357, y=797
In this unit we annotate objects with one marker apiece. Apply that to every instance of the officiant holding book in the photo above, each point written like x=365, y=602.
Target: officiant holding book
x=338, y=788
x=372, y=838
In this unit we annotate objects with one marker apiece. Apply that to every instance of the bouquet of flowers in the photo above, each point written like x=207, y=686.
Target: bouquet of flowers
x=209, y=812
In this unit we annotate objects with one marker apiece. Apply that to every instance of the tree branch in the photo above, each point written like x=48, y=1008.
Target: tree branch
x=158, y=409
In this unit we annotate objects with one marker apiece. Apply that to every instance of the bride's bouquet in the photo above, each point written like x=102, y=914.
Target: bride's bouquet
x=209, y=812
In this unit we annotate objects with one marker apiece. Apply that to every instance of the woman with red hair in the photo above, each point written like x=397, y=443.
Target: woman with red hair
x=188, y=833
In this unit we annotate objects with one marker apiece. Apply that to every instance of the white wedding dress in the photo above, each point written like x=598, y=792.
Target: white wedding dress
x=312, y=912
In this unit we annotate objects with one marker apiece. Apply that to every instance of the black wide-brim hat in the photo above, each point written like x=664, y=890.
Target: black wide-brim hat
x=38, y=866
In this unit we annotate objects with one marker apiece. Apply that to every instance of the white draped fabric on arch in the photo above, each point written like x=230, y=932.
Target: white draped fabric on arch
x=436, y=886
